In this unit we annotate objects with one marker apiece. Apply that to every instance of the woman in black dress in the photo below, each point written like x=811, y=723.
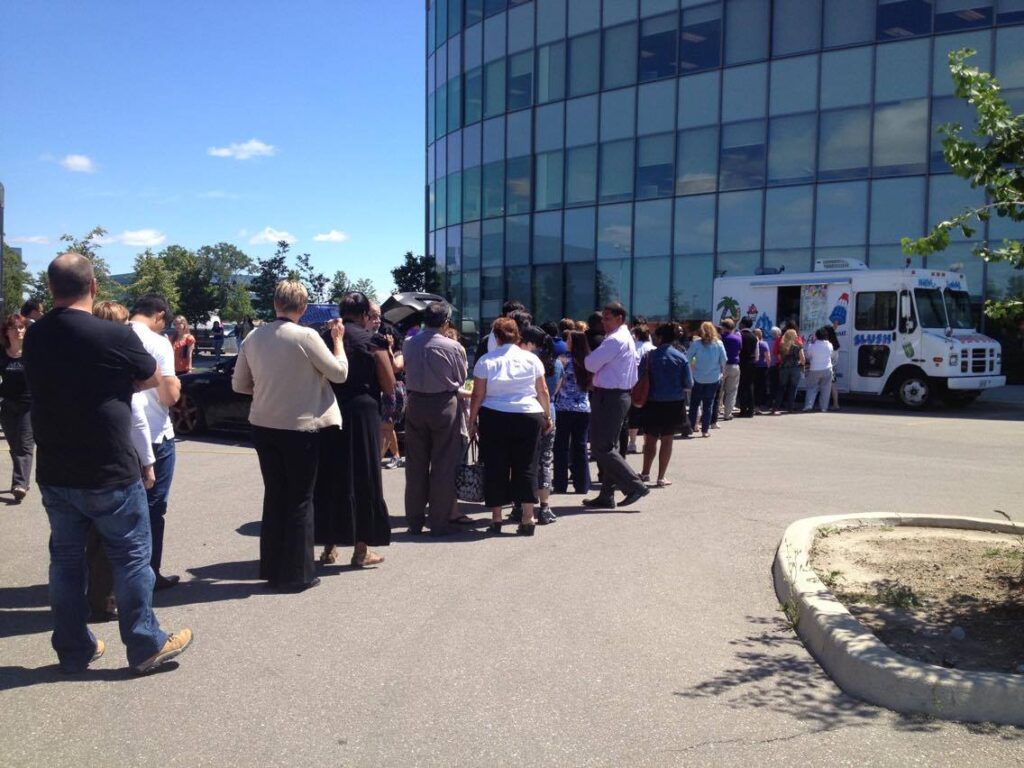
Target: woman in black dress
x=14, y=410
x=349, y=502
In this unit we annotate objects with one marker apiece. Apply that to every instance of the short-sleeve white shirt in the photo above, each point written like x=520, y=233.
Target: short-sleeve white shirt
x=158, y=415
x=511, y=374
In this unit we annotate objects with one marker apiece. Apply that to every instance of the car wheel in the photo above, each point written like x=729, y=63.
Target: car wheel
x=187, y=416
x=913, y=391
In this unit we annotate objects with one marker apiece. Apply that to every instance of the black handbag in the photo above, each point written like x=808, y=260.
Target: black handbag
x=469, y=478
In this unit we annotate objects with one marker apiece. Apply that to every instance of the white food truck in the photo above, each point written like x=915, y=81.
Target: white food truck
x=904, y=332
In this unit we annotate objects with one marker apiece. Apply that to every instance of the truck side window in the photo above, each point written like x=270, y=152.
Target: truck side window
x=876, y=311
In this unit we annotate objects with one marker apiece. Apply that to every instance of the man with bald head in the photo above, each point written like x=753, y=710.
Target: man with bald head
x=82, y=372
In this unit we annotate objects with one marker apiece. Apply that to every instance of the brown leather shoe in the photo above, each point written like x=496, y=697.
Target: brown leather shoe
x=176, y=644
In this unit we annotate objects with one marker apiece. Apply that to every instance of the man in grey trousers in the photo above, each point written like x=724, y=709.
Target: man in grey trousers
x=435, y=370
x=615, y=367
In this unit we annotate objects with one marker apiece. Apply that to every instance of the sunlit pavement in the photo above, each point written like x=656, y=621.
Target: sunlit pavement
x=607, y=639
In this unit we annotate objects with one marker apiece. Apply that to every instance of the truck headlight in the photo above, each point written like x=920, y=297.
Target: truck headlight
x=954, y=358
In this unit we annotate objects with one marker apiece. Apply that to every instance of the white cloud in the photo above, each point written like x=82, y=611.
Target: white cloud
x=30, y=240
x=251, y=148
x=137, y=238
x=78, y=163
x=334, y=236
x=271, y=235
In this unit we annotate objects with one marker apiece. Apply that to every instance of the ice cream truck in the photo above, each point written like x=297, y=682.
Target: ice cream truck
x=908, y=333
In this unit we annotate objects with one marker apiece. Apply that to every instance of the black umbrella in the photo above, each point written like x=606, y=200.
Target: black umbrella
x=403, y=309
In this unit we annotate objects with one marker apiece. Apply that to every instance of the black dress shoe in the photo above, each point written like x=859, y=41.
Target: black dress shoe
x=526, y=529
x=415, y=530
x=599, y=502
x=165, y=582
x=101, y=617
x=634, y=497
x=494, y=529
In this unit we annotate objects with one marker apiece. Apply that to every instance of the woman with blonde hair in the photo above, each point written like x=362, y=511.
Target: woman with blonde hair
x=184, y=344
x=707, y=358
x=791, y=363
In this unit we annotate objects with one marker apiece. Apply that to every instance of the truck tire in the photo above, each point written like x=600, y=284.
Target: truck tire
x=914, y=390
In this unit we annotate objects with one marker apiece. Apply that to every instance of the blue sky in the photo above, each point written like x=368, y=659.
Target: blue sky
x=193, y=122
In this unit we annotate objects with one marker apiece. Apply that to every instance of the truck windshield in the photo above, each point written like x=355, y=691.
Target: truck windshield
x=930, y=308
x=958, y=308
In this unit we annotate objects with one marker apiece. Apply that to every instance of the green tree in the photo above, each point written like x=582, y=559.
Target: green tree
x=365, y=285
x=315, y=282
x=39, y=288
x=221, y=264
x=239, y=303
x=107, y=289
x=16, y=280
x=340, y=285
x=269, y=272
x=152, y=276
x=417, y=273
x=196, y=292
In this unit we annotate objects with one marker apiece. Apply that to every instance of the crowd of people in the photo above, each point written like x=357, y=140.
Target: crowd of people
x=539, y=404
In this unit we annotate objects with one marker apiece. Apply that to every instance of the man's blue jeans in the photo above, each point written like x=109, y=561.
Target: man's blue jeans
x=121, y=517
x=158, y=496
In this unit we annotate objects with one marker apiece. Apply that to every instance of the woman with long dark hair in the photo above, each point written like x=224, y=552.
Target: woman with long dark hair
x=572, y=406
x=663, y=415
x=16, y=406
x=349, y=503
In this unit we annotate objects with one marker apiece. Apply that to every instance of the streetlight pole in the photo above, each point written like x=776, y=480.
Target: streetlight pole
x=3, y=309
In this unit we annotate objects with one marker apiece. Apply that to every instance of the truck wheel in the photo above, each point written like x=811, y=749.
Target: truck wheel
x=913, y=391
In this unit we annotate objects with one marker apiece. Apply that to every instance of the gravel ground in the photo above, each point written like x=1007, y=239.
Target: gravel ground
x=648, y=639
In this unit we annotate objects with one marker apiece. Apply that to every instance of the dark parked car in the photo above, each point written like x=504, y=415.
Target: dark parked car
x=208, y=402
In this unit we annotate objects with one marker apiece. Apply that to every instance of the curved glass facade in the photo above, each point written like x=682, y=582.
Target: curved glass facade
x=581, y=151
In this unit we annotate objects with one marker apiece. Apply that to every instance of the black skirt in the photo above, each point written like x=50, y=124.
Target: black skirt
x=662, y=418
x=349, y=500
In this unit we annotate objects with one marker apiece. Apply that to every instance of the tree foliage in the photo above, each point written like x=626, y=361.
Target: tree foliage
x=152, y=275
x=107, y=289
x=316, y=282
x=238, y=305
x=16, y=279
x=269, y=272
x=993, y=161
x=417, y=273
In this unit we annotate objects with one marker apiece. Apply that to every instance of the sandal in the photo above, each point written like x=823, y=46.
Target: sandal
x=645, y=478
x=329, y=556
x=368, y=558
x=663, y=483
x=462, y=520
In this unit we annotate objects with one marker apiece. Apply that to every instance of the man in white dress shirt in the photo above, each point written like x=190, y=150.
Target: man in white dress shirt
x=615, y=365
x=149, y=320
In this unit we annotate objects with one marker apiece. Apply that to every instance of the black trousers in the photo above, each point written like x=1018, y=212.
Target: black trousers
x=608, y=409
x=288, y=463
x=571, y=452
x=746, y=392
x=509, y=443
x=761, y=387
x=17, y=424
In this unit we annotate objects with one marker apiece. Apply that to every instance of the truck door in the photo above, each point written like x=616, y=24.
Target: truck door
x=874, y=334
x=839, y=320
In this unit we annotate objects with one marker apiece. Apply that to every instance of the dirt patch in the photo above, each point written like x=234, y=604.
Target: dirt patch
x=942, y=596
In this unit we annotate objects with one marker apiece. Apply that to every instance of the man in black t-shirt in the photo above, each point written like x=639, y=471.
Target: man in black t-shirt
x=748, y=366
x=82, y=372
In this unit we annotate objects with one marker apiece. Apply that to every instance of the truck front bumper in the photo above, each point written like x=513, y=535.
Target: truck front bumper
x=976, y=382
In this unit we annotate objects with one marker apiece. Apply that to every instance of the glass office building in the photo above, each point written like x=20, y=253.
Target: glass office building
x=581, y=151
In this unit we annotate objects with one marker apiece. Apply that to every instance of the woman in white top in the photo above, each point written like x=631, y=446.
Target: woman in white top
x=511, y=402
x=819, y=370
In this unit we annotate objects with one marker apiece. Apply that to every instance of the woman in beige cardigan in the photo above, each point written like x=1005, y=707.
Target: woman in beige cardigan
x=288, y=371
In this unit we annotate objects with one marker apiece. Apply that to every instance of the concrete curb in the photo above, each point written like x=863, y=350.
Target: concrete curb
x=859, y=662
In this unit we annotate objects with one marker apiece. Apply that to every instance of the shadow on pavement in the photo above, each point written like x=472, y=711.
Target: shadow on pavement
x=23, y=677
x=250, y=529
x=774, y=671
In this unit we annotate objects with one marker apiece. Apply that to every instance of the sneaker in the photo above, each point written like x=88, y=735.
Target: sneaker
x=715, y=425
x=389, y=463
x=400, y=462
x=19, y=492
x=176, y=644
x=545, y=516
x=100, y=648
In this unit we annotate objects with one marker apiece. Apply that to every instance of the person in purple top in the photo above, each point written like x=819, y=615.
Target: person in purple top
x=764, y=361
x=733, y=343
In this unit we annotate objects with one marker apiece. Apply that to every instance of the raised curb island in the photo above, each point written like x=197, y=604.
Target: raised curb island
x=860, y=663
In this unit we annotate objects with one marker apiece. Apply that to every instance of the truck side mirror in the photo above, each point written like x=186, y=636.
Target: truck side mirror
x=907, y=324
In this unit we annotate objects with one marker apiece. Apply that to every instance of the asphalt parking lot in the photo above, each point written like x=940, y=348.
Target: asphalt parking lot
x=607, y=639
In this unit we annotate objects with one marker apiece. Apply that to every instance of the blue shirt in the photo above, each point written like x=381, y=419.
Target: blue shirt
x=707, y=360
x=554, y=378
x=670, y=374
x=570, y=397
